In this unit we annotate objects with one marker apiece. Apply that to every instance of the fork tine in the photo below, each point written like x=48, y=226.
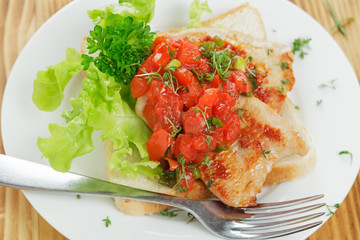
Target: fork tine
x=279, y=233
x=253, y=226
x=285, y=203
x=269, y=215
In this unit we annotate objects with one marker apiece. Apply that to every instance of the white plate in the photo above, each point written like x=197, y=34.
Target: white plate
x=334, y=125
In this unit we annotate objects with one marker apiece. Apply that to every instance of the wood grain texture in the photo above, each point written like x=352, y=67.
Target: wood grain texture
x=20, y=19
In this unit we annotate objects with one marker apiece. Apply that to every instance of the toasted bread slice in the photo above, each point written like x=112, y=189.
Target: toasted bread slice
x=245, y=19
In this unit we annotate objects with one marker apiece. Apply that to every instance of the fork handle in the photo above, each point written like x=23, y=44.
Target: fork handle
x=18, y=173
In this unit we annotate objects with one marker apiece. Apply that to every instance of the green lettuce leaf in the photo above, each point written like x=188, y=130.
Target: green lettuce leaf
x=50, y=84
x=100, y=106
x=196, y=9
x=140, y=10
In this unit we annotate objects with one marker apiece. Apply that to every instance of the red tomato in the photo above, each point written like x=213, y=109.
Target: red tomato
x=188, y=182
x=209, y=98
x=147, y=67
x=193, y=122
x=222, y=105
x=193, y=90
x=228, y=133
x=241, y=81
x=155, y=88
x=202, y=65
x=229, y=87
x=215, y=83
x=173, y=164
x=157, y=144
x=162, y=104
x=182, y=147
x=203, y=143
x=184, y=76
x=171, y=42
x=188, y=53
x=138, y=87
x=161, y=55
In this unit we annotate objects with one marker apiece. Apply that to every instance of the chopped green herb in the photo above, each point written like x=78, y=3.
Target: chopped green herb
x=318, y=102
x=170, y=212
x=197, y=59
x=269, y=51
x=191, y=218
x=172, y=83
x=336, y=20
x=208, y=141
x=181, y=175
x=203, y=113
x=299, y=44
x=336, y=206
x=167, y=178
x=296, y=107
x=220, y=148
x=150, y=76
x=107, y=221
x=251, y=76
x=78, y=196
x=207, y=48
x=219, y=42
x=281, y=87
x=171, y=53
x=347, y=152
x=214, y=123
x=239, y=112
x=249, y=59
x=207, y=163
x=265, y=153
x=220, y=62
x=176, y=130
x=329, y=85
x=284, y=65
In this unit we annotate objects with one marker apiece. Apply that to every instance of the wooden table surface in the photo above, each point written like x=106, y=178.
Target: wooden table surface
x=19, y=19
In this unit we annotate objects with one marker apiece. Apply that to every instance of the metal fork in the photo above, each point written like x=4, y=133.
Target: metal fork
x=266, y=220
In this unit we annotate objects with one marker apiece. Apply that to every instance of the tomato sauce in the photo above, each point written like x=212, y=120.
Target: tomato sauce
x=191, y=87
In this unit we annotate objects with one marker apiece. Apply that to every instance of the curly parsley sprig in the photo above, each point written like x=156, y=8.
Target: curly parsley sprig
x=121, y=48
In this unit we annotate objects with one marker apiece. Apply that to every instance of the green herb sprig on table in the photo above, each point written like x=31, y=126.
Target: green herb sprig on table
x=121, y=48
x=338, y=23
